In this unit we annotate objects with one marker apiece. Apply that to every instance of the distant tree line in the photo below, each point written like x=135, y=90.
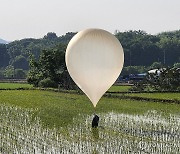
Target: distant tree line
x=141, y=50
x=15, y=55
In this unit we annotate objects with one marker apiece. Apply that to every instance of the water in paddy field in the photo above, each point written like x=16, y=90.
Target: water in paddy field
x=117, y=133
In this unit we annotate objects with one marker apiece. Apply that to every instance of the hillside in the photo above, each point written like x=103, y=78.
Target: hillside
x=140, y=48
x=3, y=41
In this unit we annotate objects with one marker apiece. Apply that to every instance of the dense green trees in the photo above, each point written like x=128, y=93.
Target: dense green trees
x=156, y=65
x=4, y=56
x=9, y=72
x=176, y=65
x=50, y=36
x=134, y=70
x=20, y=49
x=20, y=62
x=141, y=49
x=50, y=69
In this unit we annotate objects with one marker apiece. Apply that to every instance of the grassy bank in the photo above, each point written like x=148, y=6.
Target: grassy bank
x=170, y=96
x=14, y=85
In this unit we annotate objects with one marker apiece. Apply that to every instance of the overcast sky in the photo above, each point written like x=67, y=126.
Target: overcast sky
x=34, y=18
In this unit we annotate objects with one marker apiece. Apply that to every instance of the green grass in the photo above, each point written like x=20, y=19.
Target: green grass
x=168, y=96
x=119, y=88
x=59, y=109
x=14, y=85
x=44, y=119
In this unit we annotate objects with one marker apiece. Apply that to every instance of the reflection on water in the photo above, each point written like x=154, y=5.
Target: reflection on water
x=95, y=133
x=117, y=133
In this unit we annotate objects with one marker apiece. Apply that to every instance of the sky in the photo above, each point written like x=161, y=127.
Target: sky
x=34, y=18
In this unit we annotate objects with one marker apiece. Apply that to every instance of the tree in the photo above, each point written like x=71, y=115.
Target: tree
x=4, y=56
x=50, y=35
x=20, y=62
x=167, y=80
x=133, y=70
x=139, y=47
x=170, y=46
x=156, y=65
x=176, y=65
x=1, y=74
x=35, y=73
x=9, y=72
x=50, y=66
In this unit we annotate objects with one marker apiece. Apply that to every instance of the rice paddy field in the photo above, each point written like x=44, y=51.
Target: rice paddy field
x=37, y=121
x=14, y=85
x=169, y=96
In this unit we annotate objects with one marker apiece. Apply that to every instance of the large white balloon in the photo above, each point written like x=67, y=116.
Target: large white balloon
x=94, y=59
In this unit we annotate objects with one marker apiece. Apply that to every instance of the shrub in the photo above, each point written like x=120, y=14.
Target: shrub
x=45, y=83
